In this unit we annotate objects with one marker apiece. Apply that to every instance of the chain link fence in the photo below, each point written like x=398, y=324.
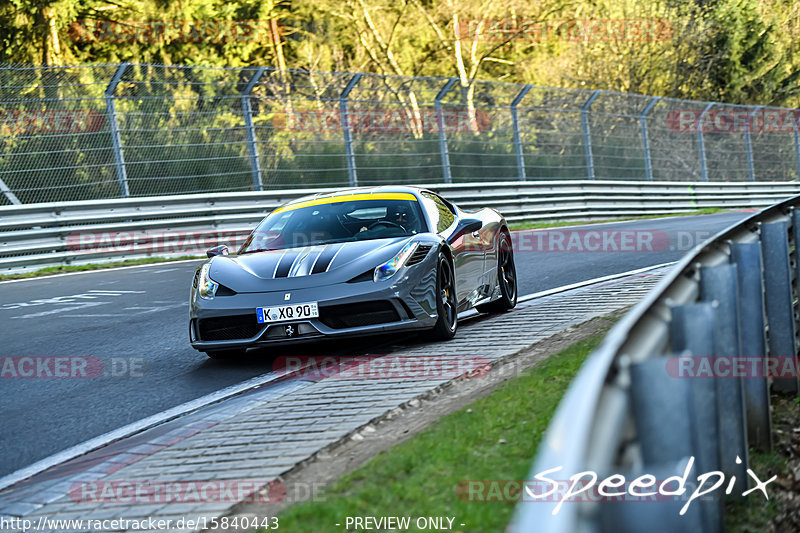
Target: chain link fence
x=104, y=131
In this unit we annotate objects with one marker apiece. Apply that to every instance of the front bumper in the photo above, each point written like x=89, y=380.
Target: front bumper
x=401, y=304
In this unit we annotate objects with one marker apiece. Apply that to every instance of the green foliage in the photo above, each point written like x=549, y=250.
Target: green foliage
x=737, y=51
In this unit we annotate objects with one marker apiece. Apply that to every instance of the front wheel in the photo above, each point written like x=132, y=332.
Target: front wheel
x=447, y=322
x=506, y=278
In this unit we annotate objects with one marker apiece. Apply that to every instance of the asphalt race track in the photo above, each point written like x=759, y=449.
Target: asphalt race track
x=134, y=321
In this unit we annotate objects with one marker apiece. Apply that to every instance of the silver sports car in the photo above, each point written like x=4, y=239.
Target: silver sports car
x=353, y=263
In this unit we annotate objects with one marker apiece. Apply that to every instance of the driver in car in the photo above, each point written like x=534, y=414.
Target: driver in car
x=398, y=215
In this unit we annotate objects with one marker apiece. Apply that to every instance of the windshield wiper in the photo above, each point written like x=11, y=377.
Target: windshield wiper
x=257, y=250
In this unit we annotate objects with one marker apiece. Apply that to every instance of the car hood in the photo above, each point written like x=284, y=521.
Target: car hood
x=302, y=267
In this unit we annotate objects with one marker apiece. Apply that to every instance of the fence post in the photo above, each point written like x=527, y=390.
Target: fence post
x=778, y=296
x=116, y=140
x=442, y=135
x=8, y=193
x=587, y=137
x=348, y=139
x=648, y=165
x=517, y=139
x=247, y=111
x=748, y=144
x=701, y=145
x=797, y=144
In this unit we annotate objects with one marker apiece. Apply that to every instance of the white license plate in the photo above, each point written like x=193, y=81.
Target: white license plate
x=284, y=313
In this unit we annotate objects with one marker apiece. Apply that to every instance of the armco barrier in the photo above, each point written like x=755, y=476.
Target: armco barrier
x=36, y=235
x=685, y=374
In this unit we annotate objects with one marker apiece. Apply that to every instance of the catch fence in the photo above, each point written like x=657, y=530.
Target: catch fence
x=128, y=130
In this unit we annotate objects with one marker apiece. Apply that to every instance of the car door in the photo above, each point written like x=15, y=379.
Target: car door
x=467, y=251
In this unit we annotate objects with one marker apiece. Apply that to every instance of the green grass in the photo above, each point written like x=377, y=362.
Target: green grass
x=419, y=477
x=754, y=513
x=49, y=271
x=558, y=224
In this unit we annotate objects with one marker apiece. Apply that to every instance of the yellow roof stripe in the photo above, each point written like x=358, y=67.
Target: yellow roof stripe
x=350, y=198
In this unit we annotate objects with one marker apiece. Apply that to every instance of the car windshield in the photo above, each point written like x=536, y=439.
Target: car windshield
x=327, y=221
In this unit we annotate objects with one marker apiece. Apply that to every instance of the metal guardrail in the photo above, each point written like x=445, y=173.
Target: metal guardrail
x=103, y=131
x=33, y=236
x=629, y=411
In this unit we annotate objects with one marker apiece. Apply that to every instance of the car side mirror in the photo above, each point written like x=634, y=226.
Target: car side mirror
x=466, y=225
x=218, y=250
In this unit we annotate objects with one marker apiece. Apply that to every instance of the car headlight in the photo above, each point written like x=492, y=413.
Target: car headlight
x=390, y=268
x=206, y=287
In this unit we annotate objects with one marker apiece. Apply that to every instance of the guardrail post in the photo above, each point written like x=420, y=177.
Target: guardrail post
x=587, y=134
x=748, y=144
x=665, y=441
x=116, y=140
x=252, y=146
x=437, y=103
x=778, y=295
x=701, y=145
x=664, y=434
x=747, y=256
x=648, y=164
x=348, y=139
x=795, y=127
x=517, y=139
x=720, y=284
x=689, y=329
x=10, y=196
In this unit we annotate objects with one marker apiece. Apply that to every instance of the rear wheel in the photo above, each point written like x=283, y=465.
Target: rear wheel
x=226, y=355
x=506, y=278
x=447, y=322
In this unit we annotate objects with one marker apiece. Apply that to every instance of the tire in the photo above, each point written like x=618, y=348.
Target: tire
x=226, y=355
x=446, y=304
x=506, y=278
